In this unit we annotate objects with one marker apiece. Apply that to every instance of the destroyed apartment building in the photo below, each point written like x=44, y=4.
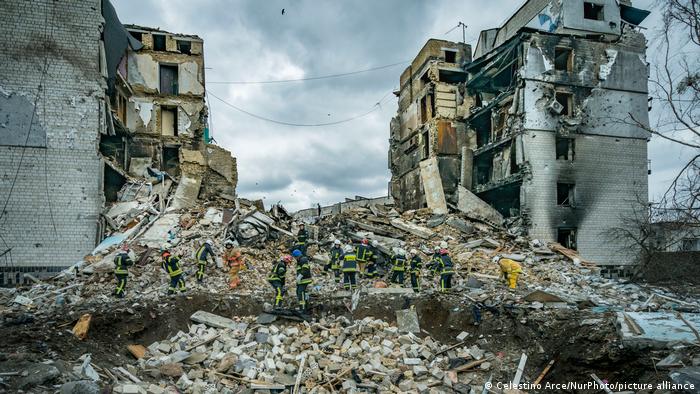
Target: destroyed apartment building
x=93, y=112
x=537, y=124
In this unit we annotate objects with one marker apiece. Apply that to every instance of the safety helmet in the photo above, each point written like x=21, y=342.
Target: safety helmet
x=347, y=249
x=443, y=251
x=375, y=243
x=414, y=252
x=296, y=253
x=209, y=242
x=443, y=245
x=365, y=241
x=436, y=249
x=301, y=224
x=228, y=243
x=165, y=249
x=287, y=258
x=401, y=252
x=336, y=242
x=496, y=259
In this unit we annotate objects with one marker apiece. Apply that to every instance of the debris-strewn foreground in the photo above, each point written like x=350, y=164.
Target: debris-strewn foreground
x=563, y=323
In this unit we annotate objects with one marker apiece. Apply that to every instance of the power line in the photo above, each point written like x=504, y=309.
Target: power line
x=310, y=78
x=375, y=107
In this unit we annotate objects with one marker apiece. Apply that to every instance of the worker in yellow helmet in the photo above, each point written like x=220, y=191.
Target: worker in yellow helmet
x=510, y=270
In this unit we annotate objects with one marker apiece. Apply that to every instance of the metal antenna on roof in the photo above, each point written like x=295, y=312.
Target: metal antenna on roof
x=464, y=31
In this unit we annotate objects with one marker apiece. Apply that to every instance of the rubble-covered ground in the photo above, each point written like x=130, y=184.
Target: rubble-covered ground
x=563, y=323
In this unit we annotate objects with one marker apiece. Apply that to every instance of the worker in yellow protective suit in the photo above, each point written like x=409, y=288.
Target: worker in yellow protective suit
x=235, y=263
x=510, y=270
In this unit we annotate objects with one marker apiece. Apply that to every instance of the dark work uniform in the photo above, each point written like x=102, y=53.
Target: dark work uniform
x=398, y=268
x=202, y=255
x=349, y=271
x=336, y=254
x=363, y=254
x=171, y=265
x=371, y=271
x=121, y=263
x=276, y=279
x=303, y=281
x=446, y=272
x=302, y=238
x=414, y=269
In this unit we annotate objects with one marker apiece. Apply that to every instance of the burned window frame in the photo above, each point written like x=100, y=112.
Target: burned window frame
x=570, y=199
x=572, y=231
x=570, y=145
x=569, y=62
x=568, y=106
x=592, y=7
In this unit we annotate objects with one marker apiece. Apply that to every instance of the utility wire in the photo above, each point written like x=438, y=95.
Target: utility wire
x=375, y=107
x=310, y=78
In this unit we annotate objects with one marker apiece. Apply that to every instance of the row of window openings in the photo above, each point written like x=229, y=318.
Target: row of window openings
x=159, y=42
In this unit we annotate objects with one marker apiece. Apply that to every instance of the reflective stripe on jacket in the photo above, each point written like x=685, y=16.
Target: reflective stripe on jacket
x=350, y=262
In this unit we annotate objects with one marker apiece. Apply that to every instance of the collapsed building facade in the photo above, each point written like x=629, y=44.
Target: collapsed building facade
x=87, y=109
x=542, y=126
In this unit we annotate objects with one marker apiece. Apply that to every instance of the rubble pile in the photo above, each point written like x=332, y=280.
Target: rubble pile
x=220, y=354
x=346, y=342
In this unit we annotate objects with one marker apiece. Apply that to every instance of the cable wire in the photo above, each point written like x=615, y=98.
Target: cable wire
x=375, y=107
x=310, y=78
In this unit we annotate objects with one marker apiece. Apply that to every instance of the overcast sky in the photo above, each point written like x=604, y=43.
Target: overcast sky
x=253, y=41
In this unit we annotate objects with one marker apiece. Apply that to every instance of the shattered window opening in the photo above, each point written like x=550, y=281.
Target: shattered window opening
x=565, y=148
x=426, y=144
x=168, y=121
x=184, y=47
x=158, y=42
x=137, y=35
x=565, y=194
x=593, y=11
x=450, y=56
x=566, y=237
x=563, y=59
x=566, y=101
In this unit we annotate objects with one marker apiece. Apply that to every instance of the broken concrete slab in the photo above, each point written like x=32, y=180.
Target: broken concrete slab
x=157, y=234
x=213, y=320
x=432, y=186
x=658, y=329
x=475, y=207
x=541, y=296
x=186, y=193
x=388, y=290
x=460, y=224
x=414, y=229
x=407, y=321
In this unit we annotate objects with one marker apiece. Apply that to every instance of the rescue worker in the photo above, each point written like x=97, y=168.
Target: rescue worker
x=363, y=253
x=398, y=267
x=302, y=237
x=373, y=260
x=415, y=267
x=202, y=255
x=235, y=263
x=277, y=278
x=446, y=270
x=171, y=265
x=122, y=261
x=510, y=269
x=336, y=254
x=349, y=268
x=303, y=279
x=434, y=265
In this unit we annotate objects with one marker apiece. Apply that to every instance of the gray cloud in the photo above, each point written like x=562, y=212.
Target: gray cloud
x=251, y=40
